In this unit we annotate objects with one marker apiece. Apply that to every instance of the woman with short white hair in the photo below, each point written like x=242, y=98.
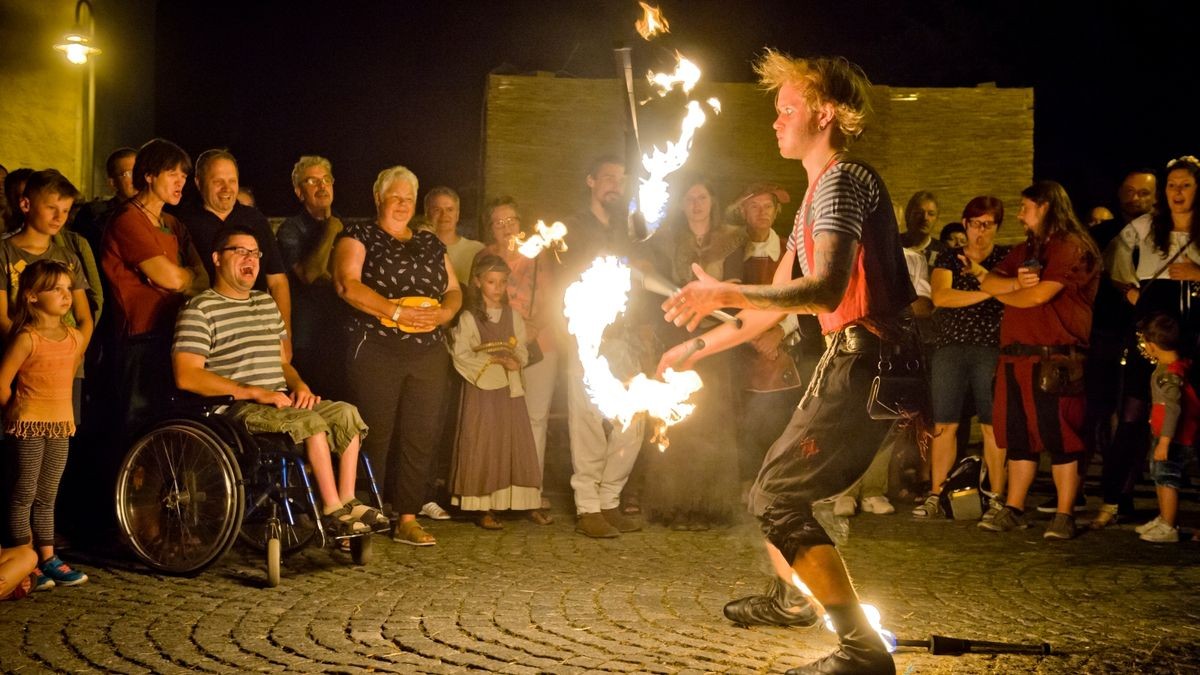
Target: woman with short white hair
x=402, y=286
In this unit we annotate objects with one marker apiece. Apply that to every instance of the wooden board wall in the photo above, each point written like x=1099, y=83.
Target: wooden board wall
x=541, y=132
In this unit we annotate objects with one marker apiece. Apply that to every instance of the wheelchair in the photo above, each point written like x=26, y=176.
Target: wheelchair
x=194, y=482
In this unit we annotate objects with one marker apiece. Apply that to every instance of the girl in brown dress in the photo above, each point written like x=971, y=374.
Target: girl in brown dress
x=495, y=464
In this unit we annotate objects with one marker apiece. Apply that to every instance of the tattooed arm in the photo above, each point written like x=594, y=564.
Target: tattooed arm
x=764, y=305
x=833, y=261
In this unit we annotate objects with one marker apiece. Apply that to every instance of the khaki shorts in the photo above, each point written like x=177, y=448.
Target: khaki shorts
x=338, y=419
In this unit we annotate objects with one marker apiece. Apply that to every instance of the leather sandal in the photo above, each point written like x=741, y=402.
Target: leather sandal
x=344, y=523
x=488, y=521
x=366, y=514
x=541, y=517
x=1107, y=516
x=413, y=534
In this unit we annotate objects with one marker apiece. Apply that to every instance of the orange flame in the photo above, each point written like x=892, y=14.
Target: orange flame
x=652, y=22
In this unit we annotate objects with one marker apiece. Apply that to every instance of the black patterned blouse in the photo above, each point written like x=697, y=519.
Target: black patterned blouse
x=977, y=324
x=395, y=269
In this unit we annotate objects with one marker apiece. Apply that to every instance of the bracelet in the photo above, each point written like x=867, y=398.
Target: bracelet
x=396, y=314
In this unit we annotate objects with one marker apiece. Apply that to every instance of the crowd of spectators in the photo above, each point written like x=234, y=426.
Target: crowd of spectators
x=447, y=351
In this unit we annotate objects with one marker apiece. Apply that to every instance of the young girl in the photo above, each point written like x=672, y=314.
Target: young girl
x=43, y=354
x=495, y=463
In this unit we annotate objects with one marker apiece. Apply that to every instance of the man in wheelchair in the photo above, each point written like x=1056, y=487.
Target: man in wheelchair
x=229, y=342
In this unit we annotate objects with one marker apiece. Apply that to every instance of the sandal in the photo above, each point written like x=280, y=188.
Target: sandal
x=1107, y=516
x=363, y=513
x=413, y=534
x=344, y=523
x=541, y=517
x=488, y=521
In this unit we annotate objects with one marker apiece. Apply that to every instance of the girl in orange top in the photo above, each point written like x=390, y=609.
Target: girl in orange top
x=43, y=355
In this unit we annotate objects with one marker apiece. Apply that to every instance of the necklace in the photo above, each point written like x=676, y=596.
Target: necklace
x=155, y=219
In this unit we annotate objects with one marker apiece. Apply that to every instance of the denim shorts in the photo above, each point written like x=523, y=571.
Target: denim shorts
x=957, y=370
x=1171, y=472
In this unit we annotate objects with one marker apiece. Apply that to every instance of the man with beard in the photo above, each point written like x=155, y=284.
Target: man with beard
x=602, y=453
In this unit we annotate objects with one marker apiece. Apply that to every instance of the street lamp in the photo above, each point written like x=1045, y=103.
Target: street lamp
x=77, y=45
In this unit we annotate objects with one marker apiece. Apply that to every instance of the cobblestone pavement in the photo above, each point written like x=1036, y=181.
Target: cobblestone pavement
x=543, y=599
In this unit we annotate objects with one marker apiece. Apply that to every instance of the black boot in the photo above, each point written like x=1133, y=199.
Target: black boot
x=772, y=608
x=860, y=650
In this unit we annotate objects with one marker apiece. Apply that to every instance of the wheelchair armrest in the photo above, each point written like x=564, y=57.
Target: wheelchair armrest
x=192, y=402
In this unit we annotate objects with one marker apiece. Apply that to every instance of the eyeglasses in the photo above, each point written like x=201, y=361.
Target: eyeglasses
x=243, y=252
x=511, y=220
x=978, y=224
x=313, y=181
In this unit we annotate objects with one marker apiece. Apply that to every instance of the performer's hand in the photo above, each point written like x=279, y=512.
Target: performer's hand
x=696, y=300
x=680, y=357
x=1160, y=449
x=267, y=397
x=1132, y=294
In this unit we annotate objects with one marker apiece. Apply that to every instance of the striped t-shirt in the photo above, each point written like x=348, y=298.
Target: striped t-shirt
x=845, y=196
x=239, y=339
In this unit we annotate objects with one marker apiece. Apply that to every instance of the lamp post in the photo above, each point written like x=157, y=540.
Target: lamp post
x=77, y=45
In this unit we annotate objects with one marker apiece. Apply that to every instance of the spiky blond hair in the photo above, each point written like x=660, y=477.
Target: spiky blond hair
x=833, y=80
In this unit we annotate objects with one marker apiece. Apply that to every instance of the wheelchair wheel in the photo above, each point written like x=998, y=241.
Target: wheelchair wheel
x=273, y=560
x=270, y=495
x=179, y=497
x=361, y=549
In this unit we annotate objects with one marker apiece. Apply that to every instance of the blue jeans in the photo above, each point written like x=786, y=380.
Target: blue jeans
x=958, y=369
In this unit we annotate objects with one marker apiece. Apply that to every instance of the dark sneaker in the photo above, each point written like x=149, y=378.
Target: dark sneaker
x=595, y=526
x=781, y=604
x=850, y=659
x=931, y=508
x=1004, y=521
x=1051, y=504
x=61, y=573
x=619, y=520
x=764, y=610
x=1061, y=527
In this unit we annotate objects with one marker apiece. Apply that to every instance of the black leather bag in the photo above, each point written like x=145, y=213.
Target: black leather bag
x=900, y=390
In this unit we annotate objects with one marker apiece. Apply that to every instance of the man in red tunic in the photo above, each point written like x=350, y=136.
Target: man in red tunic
x=1047, y=286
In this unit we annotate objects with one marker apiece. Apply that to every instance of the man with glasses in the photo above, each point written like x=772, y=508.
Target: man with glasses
x=217, y=180
x=229, y=341
x=93, y=216
x=306, y=244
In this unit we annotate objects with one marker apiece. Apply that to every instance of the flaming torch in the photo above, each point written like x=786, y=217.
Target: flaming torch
x=543, y=238
x=592, y=303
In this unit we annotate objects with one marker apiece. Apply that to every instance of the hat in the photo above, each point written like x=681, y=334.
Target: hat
x=757, y=189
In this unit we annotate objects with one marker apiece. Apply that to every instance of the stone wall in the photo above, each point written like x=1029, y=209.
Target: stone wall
x=541, y=131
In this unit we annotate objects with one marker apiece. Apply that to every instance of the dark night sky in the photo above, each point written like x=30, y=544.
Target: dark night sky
x=371, y=84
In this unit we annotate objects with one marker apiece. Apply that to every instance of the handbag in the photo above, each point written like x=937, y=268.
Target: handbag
x=900, y=390
x=1061, y=374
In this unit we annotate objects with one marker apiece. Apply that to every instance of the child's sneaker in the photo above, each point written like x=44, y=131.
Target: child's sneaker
x=41, y=582
x=61, y=573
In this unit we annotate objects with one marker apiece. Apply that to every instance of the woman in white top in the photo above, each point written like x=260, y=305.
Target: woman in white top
x=1161, y=278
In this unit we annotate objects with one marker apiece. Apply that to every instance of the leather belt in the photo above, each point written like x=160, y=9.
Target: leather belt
x=858, y=340
x=1037, y=350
